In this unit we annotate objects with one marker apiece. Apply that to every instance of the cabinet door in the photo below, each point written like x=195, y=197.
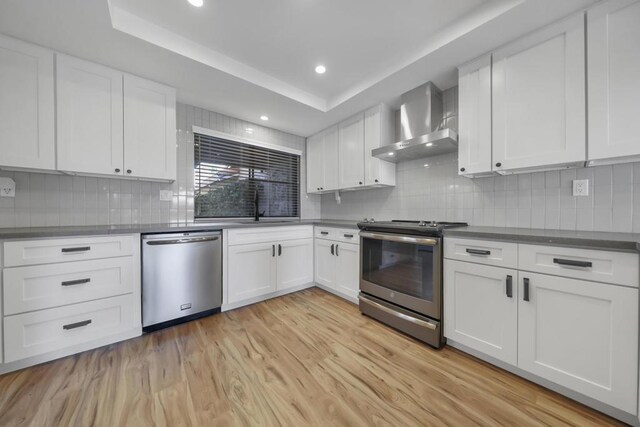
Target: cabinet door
x=474, y=137
x=378, y=131
x=351, y=152
x=89, y=117
x=581, y=335
x=539, y=99
x=330, y=158
x=26, y=106
x=149, y=129
x=315, y=161
x=325, y=263
x=348, y=269
x=252, y=271
x=614, y=86
x=481, y=308
x=295, y=263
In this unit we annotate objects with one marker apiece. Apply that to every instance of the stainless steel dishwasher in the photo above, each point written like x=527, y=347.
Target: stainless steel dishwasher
x=181, y=277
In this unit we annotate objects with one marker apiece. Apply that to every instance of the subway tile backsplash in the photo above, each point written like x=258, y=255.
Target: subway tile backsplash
x=51, y=200
x=532, y=200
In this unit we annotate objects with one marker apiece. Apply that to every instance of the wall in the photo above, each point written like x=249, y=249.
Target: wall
x=50, y=200
x=431, y=189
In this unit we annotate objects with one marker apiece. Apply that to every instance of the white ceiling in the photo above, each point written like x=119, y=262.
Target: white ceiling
x=245, y=58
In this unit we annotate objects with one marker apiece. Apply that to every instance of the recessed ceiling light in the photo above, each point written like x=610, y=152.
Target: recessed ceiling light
x=196, y=3
x=390, y=153
x=264, y=118
x=321, y=69
x=249, y=130
x=426, y=165
x=429, y=144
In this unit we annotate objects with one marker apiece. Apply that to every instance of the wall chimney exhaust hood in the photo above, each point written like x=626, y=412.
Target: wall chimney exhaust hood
x=421, y=128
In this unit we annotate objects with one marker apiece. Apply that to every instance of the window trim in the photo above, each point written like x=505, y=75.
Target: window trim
x=254, y=142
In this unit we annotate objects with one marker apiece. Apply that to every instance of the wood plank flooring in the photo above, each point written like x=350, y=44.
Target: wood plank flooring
x=308, y=358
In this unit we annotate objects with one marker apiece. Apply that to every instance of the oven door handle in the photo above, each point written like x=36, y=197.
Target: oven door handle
x=394, y=313
x=400, y=238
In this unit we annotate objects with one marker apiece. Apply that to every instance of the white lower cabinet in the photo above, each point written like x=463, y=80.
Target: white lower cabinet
x=481, y=308
x=252, y=271
x=581, y=335
x=337, y=262
x=579, y=332
x=267, y=265
x=294, y=263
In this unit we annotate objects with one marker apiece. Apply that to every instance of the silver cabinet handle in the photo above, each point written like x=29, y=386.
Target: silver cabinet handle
x=181, y=241
x=76, y=325
x=525, y=297
x=509, y=286
x=397, y=314
x=478, y=252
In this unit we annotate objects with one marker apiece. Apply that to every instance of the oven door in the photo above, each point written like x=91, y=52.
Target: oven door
x=403, y=270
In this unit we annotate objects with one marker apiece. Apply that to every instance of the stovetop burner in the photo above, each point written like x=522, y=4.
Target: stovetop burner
x=421, y=227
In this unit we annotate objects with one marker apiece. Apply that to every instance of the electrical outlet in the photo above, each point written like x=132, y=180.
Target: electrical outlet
x=7, y=187
x=580, y=187
x=166, y=195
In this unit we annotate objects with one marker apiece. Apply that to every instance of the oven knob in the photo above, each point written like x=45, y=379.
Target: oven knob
x=392, y=295
x=422, y=224
x=372, y=220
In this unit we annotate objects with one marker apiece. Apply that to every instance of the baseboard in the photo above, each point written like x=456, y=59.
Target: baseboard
x=337, y=293
x=585, y=400
x=69, y=351
x=249, y=301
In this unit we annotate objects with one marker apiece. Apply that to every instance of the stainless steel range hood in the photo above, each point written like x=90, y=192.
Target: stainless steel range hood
x=421, y=128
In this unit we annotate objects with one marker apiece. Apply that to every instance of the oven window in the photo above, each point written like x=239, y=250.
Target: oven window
x=403, y=267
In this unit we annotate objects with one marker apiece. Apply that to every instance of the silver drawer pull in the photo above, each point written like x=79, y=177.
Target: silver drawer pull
x=182, y=241
x=75, y=250
x=397, y=314
x=76, y=325
x=573, y=262
x=75, y=282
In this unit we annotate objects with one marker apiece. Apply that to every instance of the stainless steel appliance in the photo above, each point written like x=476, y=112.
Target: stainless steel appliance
x=181, y=277
x=401, y=275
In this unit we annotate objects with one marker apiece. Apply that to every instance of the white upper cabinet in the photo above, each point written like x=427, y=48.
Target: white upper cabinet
x=474, y=133
x=322, y=161
x=330, y=158
x=89, y=117
x=315, y=169
x=614, y=84
x=351, y=152
x=378, y=131
x=539, y=99
x=26, y=106
x=149, y=129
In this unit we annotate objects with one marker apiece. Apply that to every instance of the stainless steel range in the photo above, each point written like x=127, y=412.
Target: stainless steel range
x=401, y=275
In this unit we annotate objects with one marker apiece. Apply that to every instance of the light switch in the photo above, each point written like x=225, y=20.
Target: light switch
x=7, y=187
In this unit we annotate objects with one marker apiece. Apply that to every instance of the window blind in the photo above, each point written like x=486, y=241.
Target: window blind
x=229, y=173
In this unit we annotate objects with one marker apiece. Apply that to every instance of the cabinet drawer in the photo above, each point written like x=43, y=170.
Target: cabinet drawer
x=48, y=286
x=347, y=235
x=499, y=254
x=324, y=233
x=30, y=252
x=601, y=266
x=31, y=334
x=241, y=236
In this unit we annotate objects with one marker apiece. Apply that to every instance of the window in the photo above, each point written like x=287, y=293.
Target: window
x=228, y=174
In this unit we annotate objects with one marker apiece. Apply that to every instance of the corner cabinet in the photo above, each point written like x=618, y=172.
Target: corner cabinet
x=474, y=134
x=613, y=85
x=26, y=106
x=337, y=261
x=339, y=158
x=539, y=99
x=559, y=316
x=112, y=124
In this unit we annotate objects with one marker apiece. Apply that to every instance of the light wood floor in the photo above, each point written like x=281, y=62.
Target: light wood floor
x=305, y=359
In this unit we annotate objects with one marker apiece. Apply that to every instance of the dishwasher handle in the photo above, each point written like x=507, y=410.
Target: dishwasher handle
x=181, y=241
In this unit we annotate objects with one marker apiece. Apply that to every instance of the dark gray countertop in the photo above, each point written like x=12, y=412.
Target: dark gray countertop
x=86, y=230
x=584, y=239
